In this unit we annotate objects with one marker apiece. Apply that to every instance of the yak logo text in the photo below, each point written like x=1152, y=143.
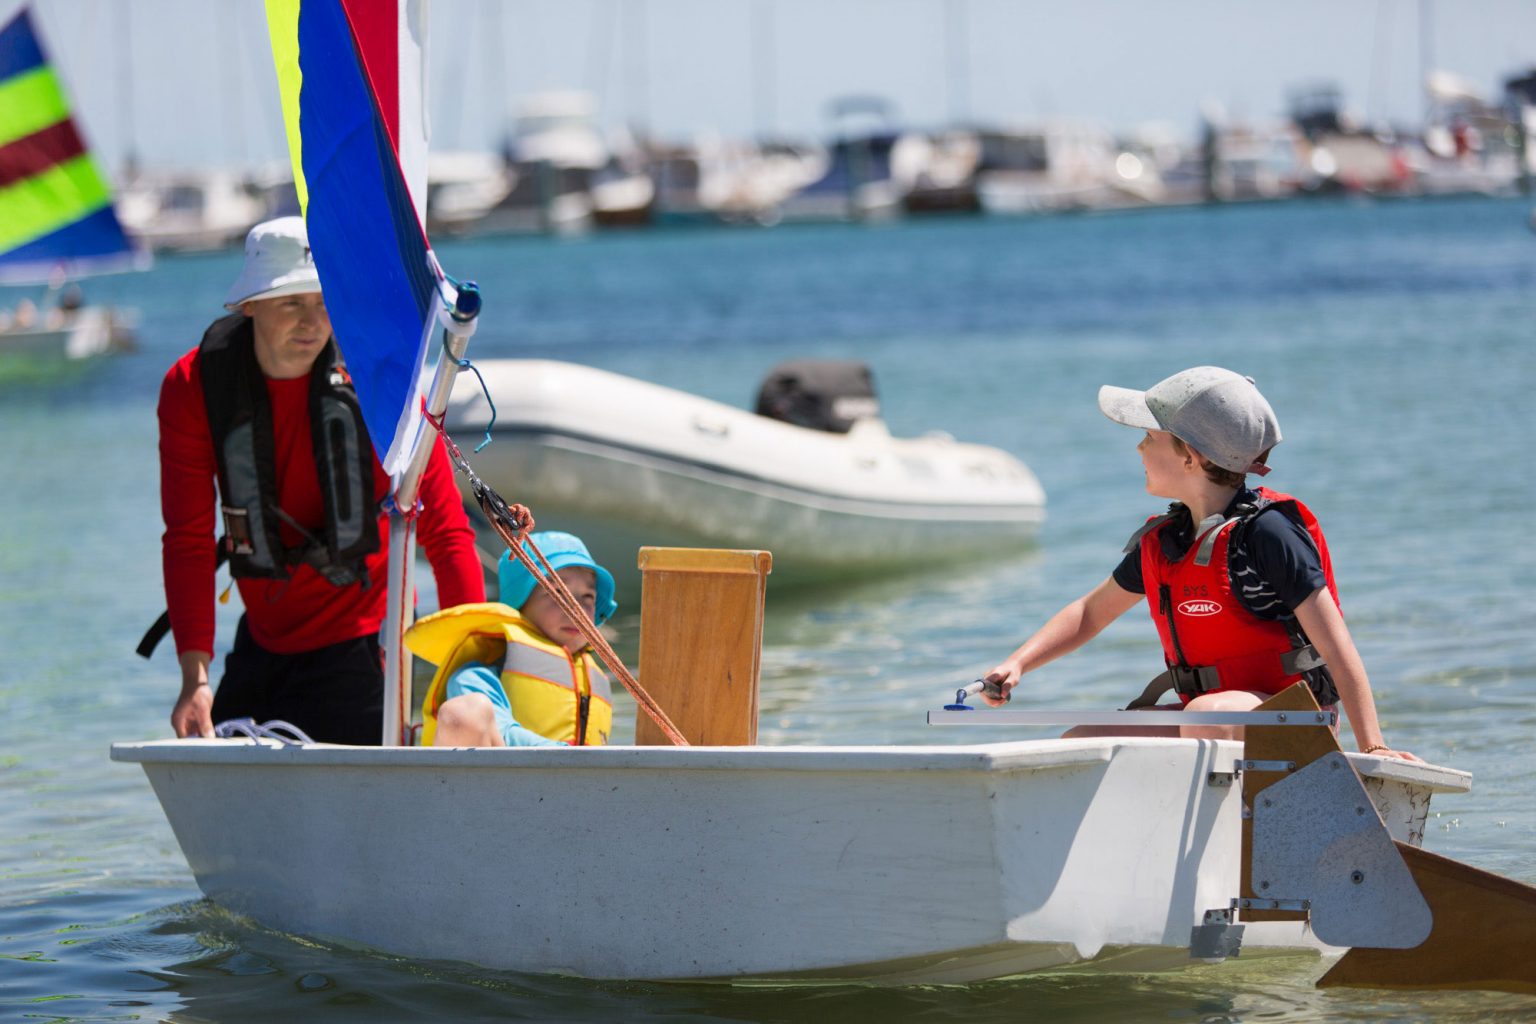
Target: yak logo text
x=1199, y=607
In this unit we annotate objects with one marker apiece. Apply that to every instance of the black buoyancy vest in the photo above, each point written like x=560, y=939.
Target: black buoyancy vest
x=240, y=420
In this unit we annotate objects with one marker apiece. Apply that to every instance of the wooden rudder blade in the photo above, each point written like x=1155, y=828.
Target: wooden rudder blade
x=1484, y=936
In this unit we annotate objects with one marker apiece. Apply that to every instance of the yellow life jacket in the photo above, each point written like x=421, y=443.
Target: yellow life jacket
x=556, y=694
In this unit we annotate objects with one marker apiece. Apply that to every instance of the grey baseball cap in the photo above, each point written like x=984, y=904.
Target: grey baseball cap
x=1217, y=412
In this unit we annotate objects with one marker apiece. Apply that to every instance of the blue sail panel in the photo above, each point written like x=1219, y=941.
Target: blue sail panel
x=19, y=48
x=378, y=274
x=93, y=245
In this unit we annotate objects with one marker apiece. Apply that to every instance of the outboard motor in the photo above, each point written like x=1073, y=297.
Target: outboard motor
x=823, y=394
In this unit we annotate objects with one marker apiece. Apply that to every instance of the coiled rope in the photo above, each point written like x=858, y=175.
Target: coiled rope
x=285, y=733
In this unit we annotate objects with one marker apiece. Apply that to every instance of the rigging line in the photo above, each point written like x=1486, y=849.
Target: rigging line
x=556, y=588
x=465, y=364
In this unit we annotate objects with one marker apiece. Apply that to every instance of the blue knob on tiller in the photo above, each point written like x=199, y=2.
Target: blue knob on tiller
x=979, y=686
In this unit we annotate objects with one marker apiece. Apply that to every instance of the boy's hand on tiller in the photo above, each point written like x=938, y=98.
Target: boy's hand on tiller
x=999, y=684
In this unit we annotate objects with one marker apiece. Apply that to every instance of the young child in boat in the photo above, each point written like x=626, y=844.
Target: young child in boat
x=519, y=673
x=1238, y=580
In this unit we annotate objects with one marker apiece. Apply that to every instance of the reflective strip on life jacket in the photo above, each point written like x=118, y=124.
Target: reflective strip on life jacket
x=350, y=509
x=573, y=709
x=550, y=692
x=540, y=664
x=597, y=679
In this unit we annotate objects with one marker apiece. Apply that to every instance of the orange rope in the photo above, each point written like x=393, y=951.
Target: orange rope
x=556, y=588
x=512, y=524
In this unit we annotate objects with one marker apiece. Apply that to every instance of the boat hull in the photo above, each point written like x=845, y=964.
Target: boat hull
x=884, y=864
x=622, y=463
x=93, y=331
x=618, y=499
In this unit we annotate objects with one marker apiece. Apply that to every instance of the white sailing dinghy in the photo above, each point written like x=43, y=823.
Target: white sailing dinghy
x=724, y=860
x=921, y=864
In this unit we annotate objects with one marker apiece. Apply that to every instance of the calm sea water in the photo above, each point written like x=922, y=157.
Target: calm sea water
x=1395, y=341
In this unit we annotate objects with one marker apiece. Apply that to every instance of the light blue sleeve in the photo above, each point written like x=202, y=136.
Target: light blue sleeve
x=477, y=678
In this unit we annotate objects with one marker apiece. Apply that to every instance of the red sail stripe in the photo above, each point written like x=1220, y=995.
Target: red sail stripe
x=375, y=30
x=35, y=153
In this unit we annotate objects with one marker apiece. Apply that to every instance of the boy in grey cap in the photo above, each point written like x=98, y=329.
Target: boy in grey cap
x=1238, y=580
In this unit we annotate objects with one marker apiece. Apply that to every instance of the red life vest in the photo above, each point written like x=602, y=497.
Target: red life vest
x=1211, y=641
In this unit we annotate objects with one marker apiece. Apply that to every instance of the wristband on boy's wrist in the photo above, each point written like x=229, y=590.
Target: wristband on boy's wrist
x=1375, y=747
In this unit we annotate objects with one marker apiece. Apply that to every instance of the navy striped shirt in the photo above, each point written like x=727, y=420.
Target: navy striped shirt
x=1272, y=561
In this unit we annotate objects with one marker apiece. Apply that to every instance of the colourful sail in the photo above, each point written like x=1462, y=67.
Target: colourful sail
x=350, y=72
x=56, y=215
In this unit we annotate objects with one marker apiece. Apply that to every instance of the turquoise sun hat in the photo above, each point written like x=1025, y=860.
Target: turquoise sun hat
x=560, y=551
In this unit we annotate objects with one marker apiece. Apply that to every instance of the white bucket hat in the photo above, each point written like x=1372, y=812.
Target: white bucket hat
x=277, y=262
x=1217, y=412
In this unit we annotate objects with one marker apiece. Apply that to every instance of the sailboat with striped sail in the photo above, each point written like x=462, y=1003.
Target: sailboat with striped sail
x=57, y=220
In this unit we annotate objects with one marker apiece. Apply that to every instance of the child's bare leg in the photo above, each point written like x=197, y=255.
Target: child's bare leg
x=1078, y=732
x=1222, y=700
x=467, y=721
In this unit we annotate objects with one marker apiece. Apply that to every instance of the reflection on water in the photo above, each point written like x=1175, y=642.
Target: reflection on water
x=192, y=962
x=864, y=662
x=18, y=372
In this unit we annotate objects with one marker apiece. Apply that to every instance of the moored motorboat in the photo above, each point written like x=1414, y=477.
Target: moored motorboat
x=623, y=462
x=192, y=210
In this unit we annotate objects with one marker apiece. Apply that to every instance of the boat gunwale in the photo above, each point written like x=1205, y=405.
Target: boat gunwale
x=984, y=758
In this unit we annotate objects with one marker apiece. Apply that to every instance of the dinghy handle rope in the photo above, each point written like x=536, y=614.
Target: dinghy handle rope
x=459, y=317
x=512, y=523
x=286, y=733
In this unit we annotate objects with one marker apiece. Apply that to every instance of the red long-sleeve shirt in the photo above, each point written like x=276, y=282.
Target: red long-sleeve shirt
x=305, y=612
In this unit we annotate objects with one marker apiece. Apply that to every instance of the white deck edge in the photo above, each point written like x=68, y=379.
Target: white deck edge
x=1017, y=755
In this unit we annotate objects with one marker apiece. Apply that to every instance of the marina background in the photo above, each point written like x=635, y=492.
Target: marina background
x=1392, y=337
x=182, y=82
x=572, y=117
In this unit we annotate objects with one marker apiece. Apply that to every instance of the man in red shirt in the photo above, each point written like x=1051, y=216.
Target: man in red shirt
x=265, y=408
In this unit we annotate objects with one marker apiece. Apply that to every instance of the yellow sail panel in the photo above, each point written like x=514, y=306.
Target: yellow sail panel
x=30, y=102
x=283, y=28
x=54, y=199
